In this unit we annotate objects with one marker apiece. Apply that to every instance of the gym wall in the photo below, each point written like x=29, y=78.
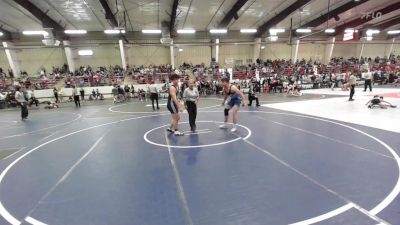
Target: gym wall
x=33, y=60
x=277, y=51
x=240, y=53
x=146, y=55
x=193, y=54
x=312, y=51
x=346, y=50
x=103, y=55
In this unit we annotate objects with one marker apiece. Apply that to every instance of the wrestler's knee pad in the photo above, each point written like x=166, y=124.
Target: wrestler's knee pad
x=226, y=112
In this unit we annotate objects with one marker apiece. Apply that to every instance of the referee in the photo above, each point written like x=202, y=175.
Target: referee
x=154, y=95
x=368, y=80
x=191, y=97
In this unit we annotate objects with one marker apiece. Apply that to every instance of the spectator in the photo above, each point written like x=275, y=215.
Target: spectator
x=97, y=94
x=76, y=97
x=94, y=94
x=352, y=83
x=82, y=92
x=55, y=92
x=21, y=99
x=121, y=93
x=32, y=99
x=114, y=92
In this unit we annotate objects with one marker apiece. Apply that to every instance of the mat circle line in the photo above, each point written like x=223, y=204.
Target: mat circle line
x=195, y=146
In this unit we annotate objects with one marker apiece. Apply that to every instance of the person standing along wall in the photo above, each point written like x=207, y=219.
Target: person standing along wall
x=368, y=81
x=154, y=95
x=191, y=97
x=76, y=97
x=20, y=97
x=352, y=82
x=32, y=99
x=55, y=91
x=82, y=92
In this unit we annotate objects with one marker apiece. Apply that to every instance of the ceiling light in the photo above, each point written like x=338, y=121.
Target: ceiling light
x=303, y=30
x=114, y=31
x=262, y=47
x=75, y=31
x=35, y=32
x=248, y=30
x=370, y=32
x=349, y=30
x=275, y=31
x=1, y=34
x=273, y=38
x=393, y=32
x=218, y=31
x=186, y=31
x=151, y=31
x=329, y=31
x=181, y=50
x=85, y=52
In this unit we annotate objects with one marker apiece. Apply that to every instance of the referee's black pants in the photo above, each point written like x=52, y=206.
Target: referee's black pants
x=192, y=110
x=24, y=110
x=251, y=98
x=352, y=87
x=77, y=101
x=368, y=84
x=154, y=96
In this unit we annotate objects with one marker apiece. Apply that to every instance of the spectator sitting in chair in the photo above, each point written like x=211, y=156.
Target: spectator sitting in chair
x=275, y=85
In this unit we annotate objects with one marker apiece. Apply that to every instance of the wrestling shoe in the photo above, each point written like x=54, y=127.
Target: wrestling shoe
x=178, y=133
x=223, y=126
